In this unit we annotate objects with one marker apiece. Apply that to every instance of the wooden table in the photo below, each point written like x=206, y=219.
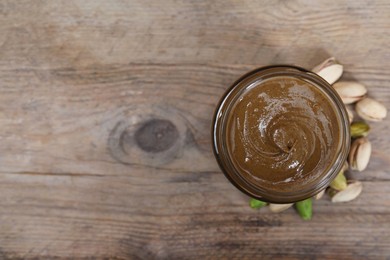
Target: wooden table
x=105, y=114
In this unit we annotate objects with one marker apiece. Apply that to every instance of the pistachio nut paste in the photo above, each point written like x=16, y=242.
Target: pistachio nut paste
x=282, y=133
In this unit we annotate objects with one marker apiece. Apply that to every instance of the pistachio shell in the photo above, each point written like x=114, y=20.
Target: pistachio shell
x=350, y=91
x=345, y=166
x=279, y=207
x=363, y=155
x=350, y=115
x=352, y=191
x=319, y=195
x=360, y=154
x=330, y=70
x=325, y=63
x=371, y=110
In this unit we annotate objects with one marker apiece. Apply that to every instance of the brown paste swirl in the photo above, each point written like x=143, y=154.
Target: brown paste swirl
x=282, y=132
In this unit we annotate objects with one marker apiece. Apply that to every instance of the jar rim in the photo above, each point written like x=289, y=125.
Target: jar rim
x=220, y=121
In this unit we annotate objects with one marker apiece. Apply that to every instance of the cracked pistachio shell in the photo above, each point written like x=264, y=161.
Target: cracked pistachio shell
x=319, y=195
x=371, y=110
x=279, y=207
x=345, y=166
x=350, y=115
x=360, y=154
x=352, y=191
x=350, y=91
x=330, y=70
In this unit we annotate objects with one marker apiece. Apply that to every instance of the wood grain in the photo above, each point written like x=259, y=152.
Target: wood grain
x=78, y=79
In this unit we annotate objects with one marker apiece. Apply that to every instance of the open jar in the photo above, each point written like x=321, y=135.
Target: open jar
x=281, y=134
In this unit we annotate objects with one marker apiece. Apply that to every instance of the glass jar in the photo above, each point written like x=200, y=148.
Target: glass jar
x=281, y=134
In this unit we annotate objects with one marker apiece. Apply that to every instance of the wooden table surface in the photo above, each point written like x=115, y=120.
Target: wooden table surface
x=86, y=87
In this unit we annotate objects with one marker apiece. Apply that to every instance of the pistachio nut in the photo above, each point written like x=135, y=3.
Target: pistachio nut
x=331, y=192
x=371, y=110
x=319, y=195
x=352, y=191
x=350, y=91
x=340, y=182
x=360, y=154
x=279, y=207
x=304, y=208
x=359, y=129
x=350, y=115
x=256, y=204
x=330, y=70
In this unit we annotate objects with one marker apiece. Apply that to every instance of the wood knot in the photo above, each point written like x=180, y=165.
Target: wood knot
x=149, y=136
x=156, y=135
